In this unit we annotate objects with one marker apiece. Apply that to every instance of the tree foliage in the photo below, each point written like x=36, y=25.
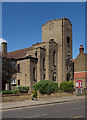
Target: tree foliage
x=7, y=70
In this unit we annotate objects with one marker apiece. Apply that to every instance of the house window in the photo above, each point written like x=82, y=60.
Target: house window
x=68, y=41
x=18, y=67
x=54, y=58
x=44, y=63
x=13, y=81
x=34, y=74
x=18, y=82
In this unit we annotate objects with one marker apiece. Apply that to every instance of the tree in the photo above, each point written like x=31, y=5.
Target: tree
x=8, y=70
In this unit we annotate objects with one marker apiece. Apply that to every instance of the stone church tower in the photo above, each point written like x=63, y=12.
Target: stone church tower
x=61, y=31
x=49, y=60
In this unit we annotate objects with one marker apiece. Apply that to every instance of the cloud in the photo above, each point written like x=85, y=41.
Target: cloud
x=2, y=40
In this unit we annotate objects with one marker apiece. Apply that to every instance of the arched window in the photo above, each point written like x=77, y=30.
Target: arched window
x=54, y=58
x=44, y=76
x=44, y=63
x=34, y=74
x=68, y=41
x=54, y=77
x=68, y=76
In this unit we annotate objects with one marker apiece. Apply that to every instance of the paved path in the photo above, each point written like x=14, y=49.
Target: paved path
x=27, y=103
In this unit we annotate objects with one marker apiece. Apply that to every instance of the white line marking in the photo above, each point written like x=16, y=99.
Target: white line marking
x=35, y=116
x=79, y=108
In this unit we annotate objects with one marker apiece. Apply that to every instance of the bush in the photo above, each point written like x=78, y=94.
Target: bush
x=22, y=89
x=80, y=94
x=46, y=86
x=19, y=89
x=67, y=86
x=34, y=93
x=7, y=92
x=14, y=91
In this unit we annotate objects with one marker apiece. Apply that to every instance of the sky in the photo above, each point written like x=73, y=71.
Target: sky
x=22, y=22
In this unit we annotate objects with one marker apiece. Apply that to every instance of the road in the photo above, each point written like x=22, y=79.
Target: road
x=58, y=110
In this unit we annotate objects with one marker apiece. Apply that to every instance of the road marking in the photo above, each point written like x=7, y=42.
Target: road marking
x=76, y=117
x=79, y=108
x=35, y=116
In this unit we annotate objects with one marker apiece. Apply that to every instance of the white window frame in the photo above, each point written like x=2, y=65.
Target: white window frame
x=13, y=83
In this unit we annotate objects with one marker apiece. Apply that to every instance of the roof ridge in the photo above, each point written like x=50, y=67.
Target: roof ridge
x=20, y=49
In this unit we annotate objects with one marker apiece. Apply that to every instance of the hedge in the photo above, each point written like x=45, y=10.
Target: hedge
x=7, y=92
x=46, y=86
x=22, y=89
x=19, y=89
x=67, y=86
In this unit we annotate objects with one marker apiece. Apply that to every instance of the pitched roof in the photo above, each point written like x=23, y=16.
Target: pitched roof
x=77, y=56
x=80, y=75
x=18, y=53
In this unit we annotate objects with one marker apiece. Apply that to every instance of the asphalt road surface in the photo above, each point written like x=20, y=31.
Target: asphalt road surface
x=60, y=110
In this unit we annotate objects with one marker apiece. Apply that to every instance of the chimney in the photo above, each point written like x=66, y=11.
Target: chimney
x=81, y=49
x=4, y=48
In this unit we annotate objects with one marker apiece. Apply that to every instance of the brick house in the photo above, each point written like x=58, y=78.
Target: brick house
x=80, y=70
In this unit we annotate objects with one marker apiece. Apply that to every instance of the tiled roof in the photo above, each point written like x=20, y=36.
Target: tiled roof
x=80, y=75
x=18, y=53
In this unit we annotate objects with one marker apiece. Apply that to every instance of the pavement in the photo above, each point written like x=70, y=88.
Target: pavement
x=29, y=103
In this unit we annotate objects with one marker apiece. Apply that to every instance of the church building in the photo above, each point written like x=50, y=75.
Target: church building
x=49, y=60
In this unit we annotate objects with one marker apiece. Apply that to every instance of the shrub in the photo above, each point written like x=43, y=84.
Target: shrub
x=22, y=89
x=67, y=86
x=7, y=92
x=80, y=94
x=34, y=93
x=19, y=89
x=46, y=86
x=14, y=91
